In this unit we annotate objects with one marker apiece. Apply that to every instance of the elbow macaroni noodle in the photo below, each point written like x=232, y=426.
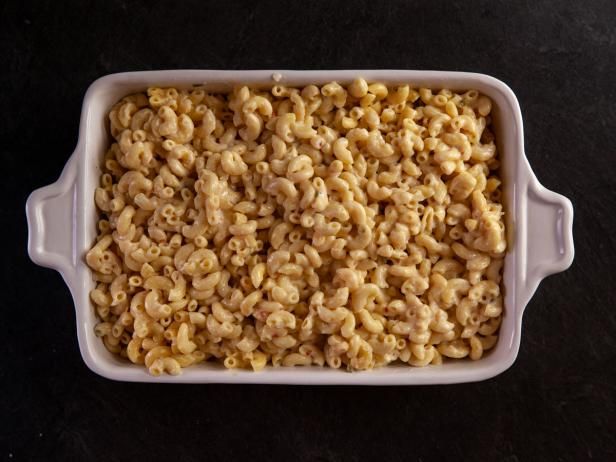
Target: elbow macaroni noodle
x=343, y=226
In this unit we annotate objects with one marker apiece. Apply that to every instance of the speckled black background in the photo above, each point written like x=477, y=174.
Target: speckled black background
x=557, y=403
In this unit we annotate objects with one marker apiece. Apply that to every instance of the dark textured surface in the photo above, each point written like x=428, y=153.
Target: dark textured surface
x=556, y=403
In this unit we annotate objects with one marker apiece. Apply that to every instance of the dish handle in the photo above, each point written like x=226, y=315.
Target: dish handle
x=549, y=218
x=50, y=212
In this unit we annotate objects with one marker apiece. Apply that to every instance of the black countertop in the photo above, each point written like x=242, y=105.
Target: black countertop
x=556, y=403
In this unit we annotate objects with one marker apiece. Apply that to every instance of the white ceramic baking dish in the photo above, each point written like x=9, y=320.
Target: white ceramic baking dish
x=62, y=218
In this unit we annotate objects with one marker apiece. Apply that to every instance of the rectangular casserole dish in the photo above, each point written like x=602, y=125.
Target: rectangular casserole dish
x=62, y=225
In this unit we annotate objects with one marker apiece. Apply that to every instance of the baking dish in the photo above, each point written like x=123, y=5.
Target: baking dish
x=62, y=225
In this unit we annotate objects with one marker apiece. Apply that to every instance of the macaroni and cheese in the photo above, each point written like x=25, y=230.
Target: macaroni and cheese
x=343, y=226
